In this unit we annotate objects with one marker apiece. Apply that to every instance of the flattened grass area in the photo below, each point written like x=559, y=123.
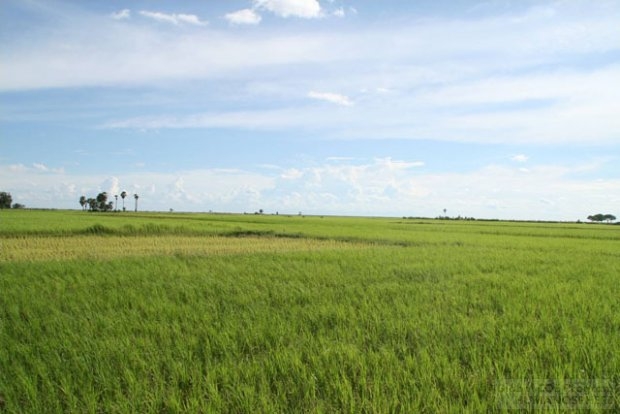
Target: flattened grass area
x=233, y=313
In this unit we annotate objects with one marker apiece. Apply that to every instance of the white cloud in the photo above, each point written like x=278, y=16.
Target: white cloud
x=519, y=158
x=121, y=14
x=391, y=164
x=123, y=53
x=292, y=174
x=37, y=167
x=191, y=19
x=178, y=193
x=379, y=184
x=331, y=97
x=174, y=18
x=529, y=88
x=244, y=16
x=160, y=17
x=285, y=8
x=339, y=12
x=111, y=186
x=568, y=107
x=575, y=107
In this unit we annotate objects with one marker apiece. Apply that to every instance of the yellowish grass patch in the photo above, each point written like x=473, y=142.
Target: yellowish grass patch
x=110, y=247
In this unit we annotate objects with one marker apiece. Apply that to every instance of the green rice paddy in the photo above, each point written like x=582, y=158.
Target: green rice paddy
x=176, y=313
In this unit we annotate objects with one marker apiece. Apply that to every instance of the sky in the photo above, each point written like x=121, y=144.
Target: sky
x=494, y=109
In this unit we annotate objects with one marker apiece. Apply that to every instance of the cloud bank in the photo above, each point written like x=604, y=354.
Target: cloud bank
x=380, y=186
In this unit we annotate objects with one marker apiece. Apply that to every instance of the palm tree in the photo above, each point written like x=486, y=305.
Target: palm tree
x=123, y=195
x=83, y=202
x=92, y=204
x=136, y=197
x=115, y=202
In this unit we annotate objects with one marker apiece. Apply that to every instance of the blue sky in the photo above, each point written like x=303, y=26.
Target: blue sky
x=491, y=109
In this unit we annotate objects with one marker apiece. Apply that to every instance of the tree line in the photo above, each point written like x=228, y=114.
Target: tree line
x=101, y=203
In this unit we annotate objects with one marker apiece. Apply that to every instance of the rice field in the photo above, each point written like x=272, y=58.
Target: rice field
x=176, y=313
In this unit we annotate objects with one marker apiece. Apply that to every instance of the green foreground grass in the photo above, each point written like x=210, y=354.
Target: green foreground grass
x=179, y=313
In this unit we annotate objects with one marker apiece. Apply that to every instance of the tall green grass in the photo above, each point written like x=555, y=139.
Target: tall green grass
x=363, y=315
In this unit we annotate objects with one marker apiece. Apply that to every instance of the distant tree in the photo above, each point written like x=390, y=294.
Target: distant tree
x=18, y=205
x=92, y=204
x=5, y=200
x=115, y=202
x=123, y=195
x=102, y=201
x=136, y=196
x=602, y=217
x=83, y=202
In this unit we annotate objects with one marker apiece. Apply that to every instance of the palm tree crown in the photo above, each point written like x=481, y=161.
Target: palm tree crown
x=123, y=195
